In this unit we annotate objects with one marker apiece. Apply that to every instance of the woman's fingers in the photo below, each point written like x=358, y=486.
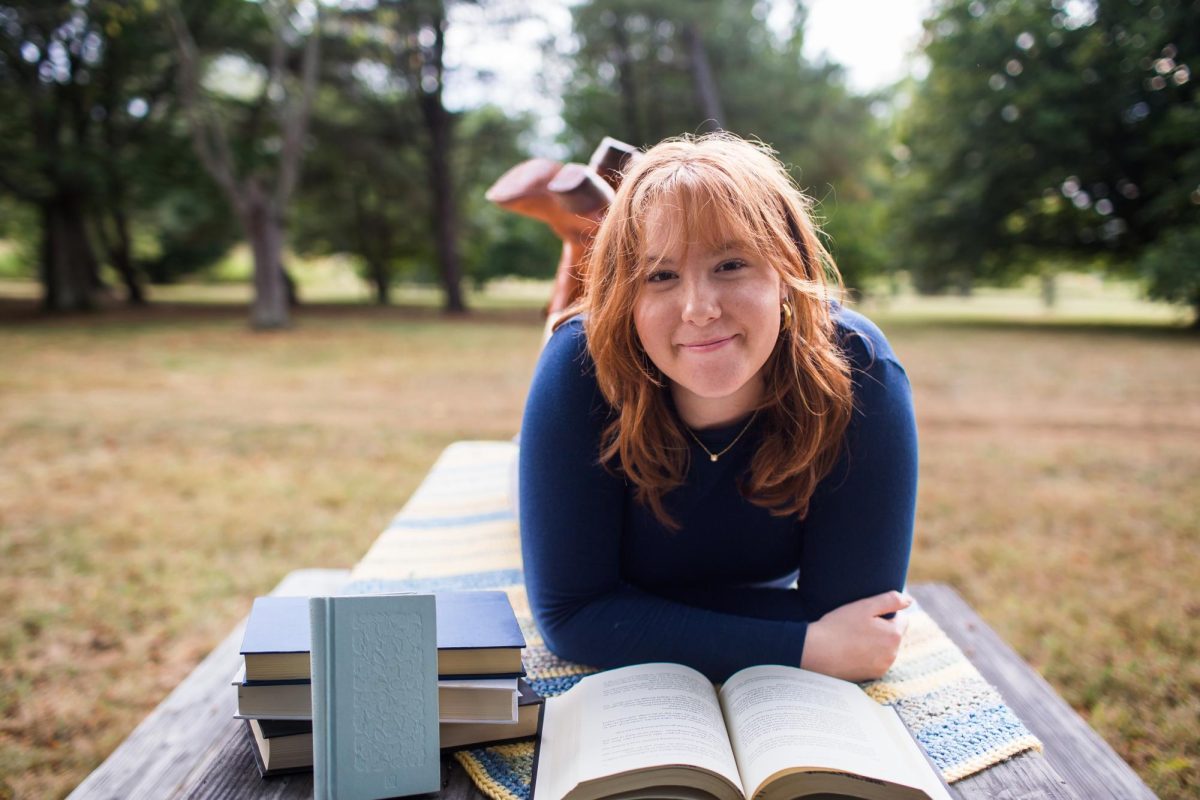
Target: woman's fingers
x=886, y=603
x=858, y=641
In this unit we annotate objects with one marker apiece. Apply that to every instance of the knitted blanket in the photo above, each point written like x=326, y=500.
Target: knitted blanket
x=458, y=531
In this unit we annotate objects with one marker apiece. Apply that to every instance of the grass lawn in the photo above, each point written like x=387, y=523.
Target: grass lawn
x=160, y=469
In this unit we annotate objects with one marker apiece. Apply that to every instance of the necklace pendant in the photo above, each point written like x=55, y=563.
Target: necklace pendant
x=713, y=457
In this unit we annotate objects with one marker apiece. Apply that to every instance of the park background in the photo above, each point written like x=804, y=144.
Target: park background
x=250, y=288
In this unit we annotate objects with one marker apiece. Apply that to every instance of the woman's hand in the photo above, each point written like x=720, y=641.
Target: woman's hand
x=854, y=641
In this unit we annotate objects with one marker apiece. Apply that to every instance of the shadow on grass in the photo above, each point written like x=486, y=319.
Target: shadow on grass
x=1116, y=327
x=29, y=314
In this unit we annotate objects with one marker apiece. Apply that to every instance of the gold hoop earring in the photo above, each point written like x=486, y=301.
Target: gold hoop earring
x=786, y=312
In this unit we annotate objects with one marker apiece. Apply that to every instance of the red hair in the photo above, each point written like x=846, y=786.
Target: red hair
x=726, y=190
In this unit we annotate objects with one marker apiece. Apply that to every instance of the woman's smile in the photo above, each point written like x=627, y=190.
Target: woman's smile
x=707, y=345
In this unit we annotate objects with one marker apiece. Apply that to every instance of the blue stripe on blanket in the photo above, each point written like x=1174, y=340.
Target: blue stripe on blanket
x=958, y=738
x=493, y=579
x=449, y=522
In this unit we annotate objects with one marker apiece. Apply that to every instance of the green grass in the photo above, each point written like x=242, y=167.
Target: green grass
x=158, y=469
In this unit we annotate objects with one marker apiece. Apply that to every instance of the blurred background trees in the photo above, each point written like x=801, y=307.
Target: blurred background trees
x=1052, y=134
x=140, y=140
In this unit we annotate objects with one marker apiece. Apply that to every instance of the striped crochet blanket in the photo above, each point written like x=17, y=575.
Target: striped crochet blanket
x=458, y=531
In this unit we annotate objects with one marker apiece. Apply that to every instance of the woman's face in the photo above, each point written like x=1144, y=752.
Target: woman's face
x=709, y=320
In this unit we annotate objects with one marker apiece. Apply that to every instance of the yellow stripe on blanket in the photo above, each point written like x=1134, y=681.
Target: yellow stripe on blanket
x=886, y=691
x=458, y=521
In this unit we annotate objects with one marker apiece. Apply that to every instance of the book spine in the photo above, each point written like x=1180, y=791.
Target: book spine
x=321, y=621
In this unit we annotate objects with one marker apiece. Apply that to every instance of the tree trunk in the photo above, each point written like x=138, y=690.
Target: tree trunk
x=289, y=283
x=70, y=274
x=1049, y=285
x=445, y=212
x=702, y=79
x=120, y=255
x=372, y=247
x=264, y=229
x=379, y=278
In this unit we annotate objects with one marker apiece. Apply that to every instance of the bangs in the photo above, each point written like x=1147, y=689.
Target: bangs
x=687, y=209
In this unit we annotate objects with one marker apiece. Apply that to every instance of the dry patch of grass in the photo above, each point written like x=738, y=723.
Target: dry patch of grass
x=155, y=478
x=1060, y=493
x=157, y=473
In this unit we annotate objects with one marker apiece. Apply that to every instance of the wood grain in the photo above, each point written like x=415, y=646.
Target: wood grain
x=190, y=747
x=160, y=757
x=1085, y=761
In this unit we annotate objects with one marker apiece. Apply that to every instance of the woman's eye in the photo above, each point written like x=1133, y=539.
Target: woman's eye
x=658, y=276
x=731, y=265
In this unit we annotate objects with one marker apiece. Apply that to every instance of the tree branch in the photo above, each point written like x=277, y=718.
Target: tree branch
x=208, y=135
x=297, y=115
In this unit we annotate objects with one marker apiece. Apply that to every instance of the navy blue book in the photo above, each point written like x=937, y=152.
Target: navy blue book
x=477, y=632
x=279, y=750
x=277, y=641
x=282, y=745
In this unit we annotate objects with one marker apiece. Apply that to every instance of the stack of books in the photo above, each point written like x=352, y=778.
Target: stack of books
x=483, y=698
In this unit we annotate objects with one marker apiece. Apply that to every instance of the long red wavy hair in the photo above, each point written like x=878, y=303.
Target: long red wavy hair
x=727, y=190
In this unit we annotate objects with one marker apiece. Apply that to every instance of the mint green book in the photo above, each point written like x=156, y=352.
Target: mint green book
x=374, y=693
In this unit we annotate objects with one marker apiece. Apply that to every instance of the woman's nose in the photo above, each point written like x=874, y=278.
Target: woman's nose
x=700, y=303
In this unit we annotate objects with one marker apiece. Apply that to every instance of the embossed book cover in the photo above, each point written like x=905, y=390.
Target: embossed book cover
x=374, y=693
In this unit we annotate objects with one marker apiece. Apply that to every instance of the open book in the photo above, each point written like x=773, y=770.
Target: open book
x=772, y=732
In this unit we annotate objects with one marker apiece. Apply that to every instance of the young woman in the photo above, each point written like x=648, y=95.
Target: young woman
x=718, y=460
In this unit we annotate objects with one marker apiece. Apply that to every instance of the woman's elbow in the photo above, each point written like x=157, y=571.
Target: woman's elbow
x=566, y=638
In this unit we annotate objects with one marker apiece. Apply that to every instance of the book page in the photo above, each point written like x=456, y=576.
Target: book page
x=785, y=717
x=931, y=781
x=639, y=717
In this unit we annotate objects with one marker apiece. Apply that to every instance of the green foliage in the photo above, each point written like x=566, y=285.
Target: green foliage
x=1171, y=268
x=510, y=245
x=90, y=113
x=18, y=240
x=363, y=190
x=367, y=188
x=634, y=78
x=1047, y=131
x=497, y=243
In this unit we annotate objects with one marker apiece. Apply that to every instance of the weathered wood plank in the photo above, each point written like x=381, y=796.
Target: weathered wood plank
x=1027, y=776
x=164, y=749
x=230, y=772
x=456, y=783
x=1076, y=752
x=191, y=747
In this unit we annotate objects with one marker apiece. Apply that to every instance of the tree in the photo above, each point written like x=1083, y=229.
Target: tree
x=89, y=140
x=260, y=184
x=426, y=73
x=497, y=242
x=359, y=195
x=1048, y=133
x=401, y=44
x=392, y=61
x=1169, y=266
x=49, y=53
x=647, y=70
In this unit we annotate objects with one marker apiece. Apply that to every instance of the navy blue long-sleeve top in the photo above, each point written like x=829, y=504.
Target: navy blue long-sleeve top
x=609, y=585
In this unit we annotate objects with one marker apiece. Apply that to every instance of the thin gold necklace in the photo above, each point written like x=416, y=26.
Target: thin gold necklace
x=713, y=457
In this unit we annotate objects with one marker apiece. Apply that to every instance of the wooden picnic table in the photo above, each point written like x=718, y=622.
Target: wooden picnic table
x=191, y=747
